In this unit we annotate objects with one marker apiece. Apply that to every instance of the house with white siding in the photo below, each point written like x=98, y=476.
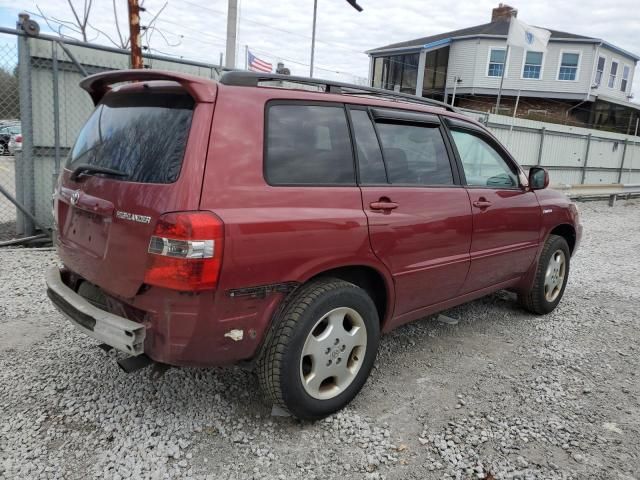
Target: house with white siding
x=579, y=79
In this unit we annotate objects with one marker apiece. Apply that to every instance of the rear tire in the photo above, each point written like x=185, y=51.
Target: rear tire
x=321, y=349
x=550, y=278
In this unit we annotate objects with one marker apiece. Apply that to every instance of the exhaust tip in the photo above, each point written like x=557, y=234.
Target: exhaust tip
x=132, y=364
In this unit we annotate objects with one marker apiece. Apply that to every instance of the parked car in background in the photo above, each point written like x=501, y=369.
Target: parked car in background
x=15, y=143
x=6, y=132
x=287, y=228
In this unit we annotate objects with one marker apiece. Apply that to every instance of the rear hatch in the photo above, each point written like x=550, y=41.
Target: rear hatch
x=140, y=154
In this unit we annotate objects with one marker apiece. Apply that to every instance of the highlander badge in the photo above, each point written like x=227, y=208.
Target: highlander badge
x=133, y=217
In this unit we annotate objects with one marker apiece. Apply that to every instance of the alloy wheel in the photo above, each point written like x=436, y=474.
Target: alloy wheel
x=333, y=353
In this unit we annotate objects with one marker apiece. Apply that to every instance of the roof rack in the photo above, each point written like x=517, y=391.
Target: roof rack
x=253, y=79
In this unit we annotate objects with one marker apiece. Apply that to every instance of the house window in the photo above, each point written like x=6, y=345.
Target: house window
x=435, y=72
x=600, y=70
x=398, y=72
x=625, y=78
x=612, y=74
x=496, y=62
x=378, y=72
x=532, y=65
x=569, y=66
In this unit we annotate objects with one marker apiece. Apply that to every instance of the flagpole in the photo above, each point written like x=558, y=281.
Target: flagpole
x=246, y=57
x=515, y=110
x=504, y=69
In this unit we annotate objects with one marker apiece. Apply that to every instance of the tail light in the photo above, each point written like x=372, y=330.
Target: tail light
x=18, y=138
x=185, y=251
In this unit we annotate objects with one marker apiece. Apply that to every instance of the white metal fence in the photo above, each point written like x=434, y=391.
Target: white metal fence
x=573, y=155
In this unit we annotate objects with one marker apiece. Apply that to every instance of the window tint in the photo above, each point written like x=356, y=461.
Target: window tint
x=369, y=156
x=142, y=134
x=415, y=154
x=308, y=144
x=482, y=164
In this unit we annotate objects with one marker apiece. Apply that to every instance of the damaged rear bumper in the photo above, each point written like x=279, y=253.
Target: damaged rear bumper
x=118, y=332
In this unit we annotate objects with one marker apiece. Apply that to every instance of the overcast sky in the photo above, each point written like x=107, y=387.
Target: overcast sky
x=281, y=29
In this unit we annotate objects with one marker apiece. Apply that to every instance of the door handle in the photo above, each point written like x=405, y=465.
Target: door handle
x=482, y=203
x=383, y=205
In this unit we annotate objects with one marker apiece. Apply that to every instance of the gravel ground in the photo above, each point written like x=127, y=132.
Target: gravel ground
x=501, y=394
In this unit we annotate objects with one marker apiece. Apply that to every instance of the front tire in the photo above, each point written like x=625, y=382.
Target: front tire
x=321, y=349
x=550, y=278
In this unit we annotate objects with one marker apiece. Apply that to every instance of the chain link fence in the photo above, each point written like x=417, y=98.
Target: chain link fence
x=42, y=109
x=9, y=122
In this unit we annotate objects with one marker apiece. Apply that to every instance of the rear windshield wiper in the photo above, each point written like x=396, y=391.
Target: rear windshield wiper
x=84, y=168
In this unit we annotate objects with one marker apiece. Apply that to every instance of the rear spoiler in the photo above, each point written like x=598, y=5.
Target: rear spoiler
x=201, y=89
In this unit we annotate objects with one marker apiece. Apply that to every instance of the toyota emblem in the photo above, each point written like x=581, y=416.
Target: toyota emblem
x=75, y=196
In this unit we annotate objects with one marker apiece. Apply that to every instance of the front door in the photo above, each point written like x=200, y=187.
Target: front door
x=419, y=216
x=506, y=216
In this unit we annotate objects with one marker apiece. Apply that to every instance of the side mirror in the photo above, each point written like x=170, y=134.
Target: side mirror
x=538, y=178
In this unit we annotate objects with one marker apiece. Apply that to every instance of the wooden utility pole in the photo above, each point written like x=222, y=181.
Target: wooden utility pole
x=134, y=33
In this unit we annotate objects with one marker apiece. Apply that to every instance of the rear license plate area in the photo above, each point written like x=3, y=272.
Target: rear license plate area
x=88, y=230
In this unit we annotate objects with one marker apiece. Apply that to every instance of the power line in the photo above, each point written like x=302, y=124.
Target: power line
x=258, y=50
x=278, y=29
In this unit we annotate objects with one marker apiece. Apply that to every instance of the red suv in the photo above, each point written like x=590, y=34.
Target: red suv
x=286, y=222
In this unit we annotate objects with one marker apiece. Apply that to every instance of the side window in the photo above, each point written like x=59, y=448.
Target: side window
x=482, y=164
x=308, y=144
x=415, y=154
x=370, y=161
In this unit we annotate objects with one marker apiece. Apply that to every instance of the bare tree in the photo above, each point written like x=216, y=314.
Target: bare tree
x=79, y=24
x=82, y=22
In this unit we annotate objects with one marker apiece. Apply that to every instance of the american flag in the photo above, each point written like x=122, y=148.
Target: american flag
x=257, y=65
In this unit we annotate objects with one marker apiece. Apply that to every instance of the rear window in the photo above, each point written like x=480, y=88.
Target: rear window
x=141, y=134
x=307, y=145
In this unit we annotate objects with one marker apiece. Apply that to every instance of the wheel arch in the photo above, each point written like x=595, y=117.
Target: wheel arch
x=370, y=280
x=566, y=231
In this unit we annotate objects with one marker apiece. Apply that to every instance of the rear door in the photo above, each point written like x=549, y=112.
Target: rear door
x=506, y=216
x=419, y=216
x=153, y=135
